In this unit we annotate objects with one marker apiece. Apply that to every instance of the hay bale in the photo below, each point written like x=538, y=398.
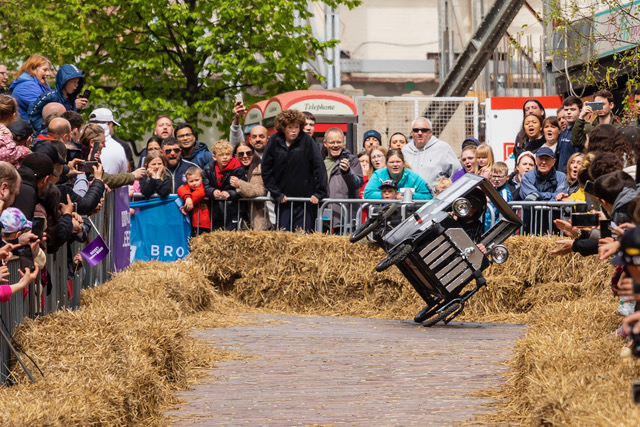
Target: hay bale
x=118, y=359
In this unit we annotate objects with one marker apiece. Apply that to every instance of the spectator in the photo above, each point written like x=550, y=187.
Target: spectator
x=468, y=160
x=153, y=144
x=14, y=224
x=371, y=139
x=499, y=176
x=397, y=140
x=292, y=166
x=389, y=190
x=582, y=127
x=525, y=163
x=367, y=170
x=442, y=184
x=74, y=149
x=377, y=158
x=428, y=156
x=164, y=127
x=615, y=191
x=192, y=150
x=104, y=116
x=176, y=165
x=49, y=112
x=35, y=170
x=573, y=185
x=92, y=139
x=552, y=131
x=484, y=161
x=69, y=84
x=531, y=107
x=404, y=178
x=193, y=195
x=608, y=139
x=258, y=137
x=4, y=76
x=344, y=173
x=21, y=131
x=9, y=151
x=157, y=180
x=543, y=183
x=254, y=186
x=534, y=138
x=309, y=123
x=560, y=114
x=216, y=176
x=572, y=106
x=10, y=182
x=470, y=142
x=31, y=82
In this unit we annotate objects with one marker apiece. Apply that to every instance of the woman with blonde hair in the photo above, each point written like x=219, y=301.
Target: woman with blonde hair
x=31, y=82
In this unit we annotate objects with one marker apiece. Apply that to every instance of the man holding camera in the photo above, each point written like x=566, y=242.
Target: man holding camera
x=344, y=173
x=601, y=107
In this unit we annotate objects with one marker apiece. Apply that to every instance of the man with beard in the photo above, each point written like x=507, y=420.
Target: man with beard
x=192, y=150
x=176, y=165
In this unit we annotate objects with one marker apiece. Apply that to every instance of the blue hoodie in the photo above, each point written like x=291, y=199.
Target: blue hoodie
x=410, y=179
x=27, y=89
x=66, y=73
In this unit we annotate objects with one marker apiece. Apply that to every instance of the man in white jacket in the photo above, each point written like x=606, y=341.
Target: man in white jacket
x=427, y=155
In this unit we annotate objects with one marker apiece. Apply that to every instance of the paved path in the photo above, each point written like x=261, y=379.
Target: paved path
x=349, y=372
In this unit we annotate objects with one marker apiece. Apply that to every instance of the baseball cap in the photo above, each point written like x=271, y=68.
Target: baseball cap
x=13, y=220
x=470, y=141
x=39, y=163
x=629, y=248
x=20, y=128
x=545, y=151
x=102, y=115
x=372, y=133
x=389, y=183
x=48, y=149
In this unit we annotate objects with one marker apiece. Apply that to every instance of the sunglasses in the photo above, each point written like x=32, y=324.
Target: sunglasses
x=418, y=130
x=175, y=150
x=240, y=154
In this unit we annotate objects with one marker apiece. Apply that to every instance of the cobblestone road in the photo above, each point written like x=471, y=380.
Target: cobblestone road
x=348, y=371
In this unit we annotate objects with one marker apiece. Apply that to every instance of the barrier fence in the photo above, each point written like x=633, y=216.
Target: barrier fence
x=60, y=287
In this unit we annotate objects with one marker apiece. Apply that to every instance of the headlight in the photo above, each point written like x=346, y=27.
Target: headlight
x=461, y=207
x=499, y=254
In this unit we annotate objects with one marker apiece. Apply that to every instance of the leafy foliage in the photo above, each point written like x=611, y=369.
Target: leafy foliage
x=184, y=58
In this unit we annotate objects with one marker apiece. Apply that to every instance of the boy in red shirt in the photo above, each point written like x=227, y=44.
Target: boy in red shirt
x=194, y=201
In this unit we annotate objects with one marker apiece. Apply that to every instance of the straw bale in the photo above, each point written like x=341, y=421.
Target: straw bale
x=118, y=359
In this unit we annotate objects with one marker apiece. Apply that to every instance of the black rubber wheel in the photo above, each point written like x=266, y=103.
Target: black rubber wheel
x=423, y=314
x=372, y=223
x=442, y=315
x=398, y=255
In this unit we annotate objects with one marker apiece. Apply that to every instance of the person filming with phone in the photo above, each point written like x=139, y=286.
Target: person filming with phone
x=601, y=110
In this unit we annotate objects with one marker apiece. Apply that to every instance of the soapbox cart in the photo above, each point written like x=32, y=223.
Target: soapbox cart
x=439, y=248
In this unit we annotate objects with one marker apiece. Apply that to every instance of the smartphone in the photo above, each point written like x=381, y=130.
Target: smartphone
x=585, y=220
x=595, y=106
x=94, y=151
x=238, y=98
x=25, y=255
x=87, y=94
x=75, y=207
x=605, y=228
x=87, y=167
x=588, y=187
x=37, y=226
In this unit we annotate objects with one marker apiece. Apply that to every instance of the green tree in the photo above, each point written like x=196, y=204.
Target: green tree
x=185, y=58
x=589, y=35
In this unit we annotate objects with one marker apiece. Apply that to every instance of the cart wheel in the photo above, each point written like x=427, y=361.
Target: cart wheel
x=398, y=255
x=425, y=313
x=442, y=315
x=373, y=222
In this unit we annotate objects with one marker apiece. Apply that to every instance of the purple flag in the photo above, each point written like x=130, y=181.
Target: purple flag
x=95, y=251
x=121, y=230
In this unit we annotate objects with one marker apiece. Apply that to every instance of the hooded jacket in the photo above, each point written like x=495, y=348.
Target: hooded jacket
x=436, y=159
x=409, y=179
x=200, y=155
x=66, y=73
x=26, y=89
x=178, y=174
x=620, y=208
